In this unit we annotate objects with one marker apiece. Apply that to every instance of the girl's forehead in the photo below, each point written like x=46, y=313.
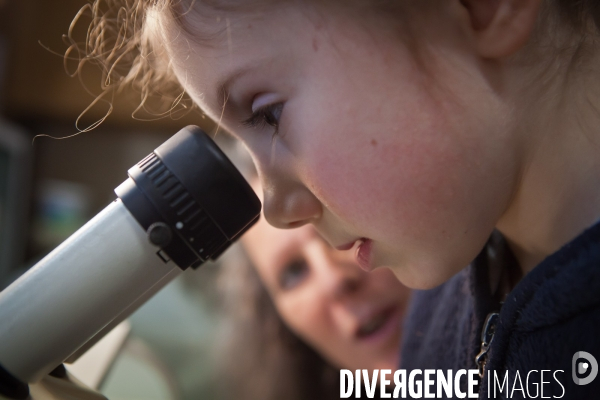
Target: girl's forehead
x=206, y=68
x=207, y=64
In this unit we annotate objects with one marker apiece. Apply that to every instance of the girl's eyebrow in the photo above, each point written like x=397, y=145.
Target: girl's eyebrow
x=223, y=86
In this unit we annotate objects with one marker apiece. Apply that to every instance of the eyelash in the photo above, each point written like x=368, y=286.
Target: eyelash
x=265, y=116
x=293, y=274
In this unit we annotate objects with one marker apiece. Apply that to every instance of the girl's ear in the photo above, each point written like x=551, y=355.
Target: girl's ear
x=501, y=27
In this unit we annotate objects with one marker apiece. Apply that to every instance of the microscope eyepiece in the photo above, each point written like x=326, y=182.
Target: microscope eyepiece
x=176, y=186
x=183, y=204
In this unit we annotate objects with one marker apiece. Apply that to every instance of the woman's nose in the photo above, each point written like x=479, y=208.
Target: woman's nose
x=340, y=275
x=289, y=204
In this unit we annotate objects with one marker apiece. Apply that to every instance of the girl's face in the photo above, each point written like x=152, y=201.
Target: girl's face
x=351, y=317
x=380, y=131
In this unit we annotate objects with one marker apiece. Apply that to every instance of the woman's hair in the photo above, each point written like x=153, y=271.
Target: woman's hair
x=579, y=12
x=259, y=357
x=124, y=38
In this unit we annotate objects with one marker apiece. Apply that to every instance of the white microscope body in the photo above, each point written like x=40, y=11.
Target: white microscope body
x=183, y=204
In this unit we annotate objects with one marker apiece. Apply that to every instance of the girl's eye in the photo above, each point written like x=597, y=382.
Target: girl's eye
x=293, y=274
x=267, y=115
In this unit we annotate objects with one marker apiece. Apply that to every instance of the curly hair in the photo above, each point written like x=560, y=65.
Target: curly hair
x=124, y=40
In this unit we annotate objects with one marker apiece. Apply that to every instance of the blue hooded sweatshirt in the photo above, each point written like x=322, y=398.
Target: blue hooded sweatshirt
x=538, y=335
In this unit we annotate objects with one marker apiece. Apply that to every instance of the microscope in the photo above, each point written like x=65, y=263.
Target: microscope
x=182, y=205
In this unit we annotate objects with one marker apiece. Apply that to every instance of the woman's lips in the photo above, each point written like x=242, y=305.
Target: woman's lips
x=363, y=254
x=380, y=325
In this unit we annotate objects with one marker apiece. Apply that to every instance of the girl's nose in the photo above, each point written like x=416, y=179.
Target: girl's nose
x=289, y=204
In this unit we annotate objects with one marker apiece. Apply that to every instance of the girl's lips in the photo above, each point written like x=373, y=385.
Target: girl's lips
x=346, y=246
x=363, y=254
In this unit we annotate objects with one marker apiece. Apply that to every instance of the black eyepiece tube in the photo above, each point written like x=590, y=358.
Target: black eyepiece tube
x=189, y=185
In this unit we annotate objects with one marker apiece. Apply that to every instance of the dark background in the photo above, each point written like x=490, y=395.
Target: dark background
x=63, y=183
x=38, y=95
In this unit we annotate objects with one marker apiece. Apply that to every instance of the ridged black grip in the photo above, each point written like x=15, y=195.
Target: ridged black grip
x=188, y=184
x=178, y=207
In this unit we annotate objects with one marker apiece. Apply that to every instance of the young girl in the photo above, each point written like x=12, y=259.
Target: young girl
x=411, y=131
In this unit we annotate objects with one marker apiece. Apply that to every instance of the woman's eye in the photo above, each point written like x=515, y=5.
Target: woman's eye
x=293, y=274
x=267, y=115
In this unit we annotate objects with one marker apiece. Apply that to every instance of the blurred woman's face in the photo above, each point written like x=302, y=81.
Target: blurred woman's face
x=351, y=317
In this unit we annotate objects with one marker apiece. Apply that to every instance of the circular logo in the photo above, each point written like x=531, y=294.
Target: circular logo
x=584, y=364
